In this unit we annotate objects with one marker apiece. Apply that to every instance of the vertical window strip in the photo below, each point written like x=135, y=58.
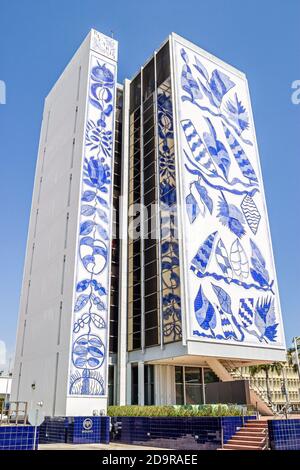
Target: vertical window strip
x=151, y=290
x=19, y=380
x=142, y=229
x=75, y=122
x=63, y=275
x=31, y=261
x=158, y=214
x=69, y=192
x=66, y=230
x=43, y=160
x=40, y=189
x=203, y=385
x=55, y=383
x=35, y=224
x=59, y=323
x=23, y=338
x=27, y=300
x=184, y=388
x=72, y=154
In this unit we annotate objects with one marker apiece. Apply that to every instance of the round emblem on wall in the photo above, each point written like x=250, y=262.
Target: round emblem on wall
x=87, y=424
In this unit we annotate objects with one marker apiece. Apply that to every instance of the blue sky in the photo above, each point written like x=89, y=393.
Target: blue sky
x=38, y=38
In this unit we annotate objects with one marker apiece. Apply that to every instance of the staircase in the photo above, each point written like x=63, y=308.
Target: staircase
x=252, y=436
x=257, y=397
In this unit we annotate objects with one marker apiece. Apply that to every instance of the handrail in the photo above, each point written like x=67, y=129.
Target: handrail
x=267, y=443
x=283, y=411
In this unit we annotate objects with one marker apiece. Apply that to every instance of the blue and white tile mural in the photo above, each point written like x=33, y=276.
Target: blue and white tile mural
x=171, y=301
x=230, y=277
x=91, y=303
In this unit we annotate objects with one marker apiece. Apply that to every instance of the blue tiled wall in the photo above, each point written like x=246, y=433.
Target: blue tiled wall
x=284, y=434
x=54, y=430
x=104, y=430
x=230, y=425
x=72, y=430
x=81, y=435
x=17, y=437
x=175, y=433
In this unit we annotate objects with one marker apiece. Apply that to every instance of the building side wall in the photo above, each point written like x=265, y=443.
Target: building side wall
x=229, y=288
x=43, y=341
x=123, y=208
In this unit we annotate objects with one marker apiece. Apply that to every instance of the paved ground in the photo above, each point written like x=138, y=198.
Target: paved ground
x=290, y=416
x=113, y=446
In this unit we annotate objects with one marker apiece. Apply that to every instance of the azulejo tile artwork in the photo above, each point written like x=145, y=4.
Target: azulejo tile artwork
x=90, y=317
x=230, y=273
x=171, y=302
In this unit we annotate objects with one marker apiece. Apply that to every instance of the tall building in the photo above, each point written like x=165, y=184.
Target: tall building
x=149, y=260
x=69, y=304
x=283, y=387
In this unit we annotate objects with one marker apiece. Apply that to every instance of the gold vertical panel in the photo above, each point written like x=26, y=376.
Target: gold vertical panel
x=171, y=302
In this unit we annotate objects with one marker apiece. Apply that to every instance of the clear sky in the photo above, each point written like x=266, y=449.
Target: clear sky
x=38, y=38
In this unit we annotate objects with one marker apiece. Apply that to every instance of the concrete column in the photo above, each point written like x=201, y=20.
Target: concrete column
x=128, y=383
x=165, y=393
x=122, y=332
x=141, y=382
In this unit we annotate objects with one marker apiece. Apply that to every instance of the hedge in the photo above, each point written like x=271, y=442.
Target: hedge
x=176, y=410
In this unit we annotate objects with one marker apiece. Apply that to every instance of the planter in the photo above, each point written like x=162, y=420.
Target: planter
x=186, y=433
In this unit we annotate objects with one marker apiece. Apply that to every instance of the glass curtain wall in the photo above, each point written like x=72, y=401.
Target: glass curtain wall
x=115, y=255
x=154, y=313
x=134, y=200
x=150, y=272
x=149, y=384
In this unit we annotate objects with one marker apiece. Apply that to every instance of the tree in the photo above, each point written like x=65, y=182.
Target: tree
x=290, y=353
x=267, y=368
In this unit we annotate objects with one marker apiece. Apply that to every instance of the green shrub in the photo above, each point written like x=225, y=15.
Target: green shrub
x=177, y=410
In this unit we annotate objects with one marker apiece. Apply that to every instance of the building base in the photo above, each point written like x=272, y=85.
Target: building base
x=75, y=430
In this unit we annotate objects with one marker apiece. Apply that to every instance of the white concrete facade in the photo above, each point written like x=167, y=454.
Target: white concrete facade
x=44, y=338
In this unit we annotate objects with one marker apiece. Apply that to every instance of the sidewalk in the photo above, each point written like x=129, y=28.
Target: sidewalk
x=112, y=446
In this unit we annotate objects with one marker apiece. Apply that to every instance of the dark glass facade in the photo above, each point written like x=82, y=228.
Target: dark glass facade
x=134, y=199
x=115, y=254
x=154, y=314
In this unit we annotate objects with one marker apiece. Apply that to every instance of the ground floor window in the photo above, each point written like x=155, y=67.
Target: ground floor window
x=179, y=382
x=190, y=384
x=111, y=380
x=134, y=384
x=209, y=376
x=149, y=384
x=193, y=385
